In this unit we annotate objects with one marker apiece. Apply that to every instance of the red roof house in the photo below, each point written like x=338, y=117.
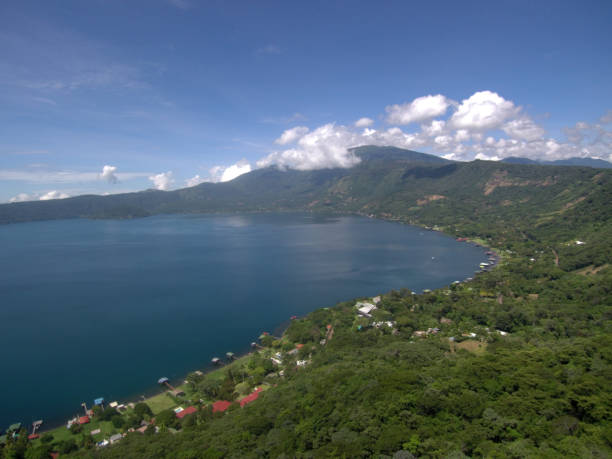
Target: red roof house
x=84, y=420
x=186, y=411
x=33, y=436
x=220, y=406
x=251, y=397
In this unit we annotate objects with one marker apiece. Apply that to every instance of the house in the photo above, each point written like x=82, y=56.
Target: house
x=365, y=308
x=301, y=363
x=419, y=333
x=177, y=393
x=376, y=300
x=84, y=420
x=113, y=404
x=446, y=321
x=185, y=412
x=220, y=406
x=276, y=361
x=95, y=432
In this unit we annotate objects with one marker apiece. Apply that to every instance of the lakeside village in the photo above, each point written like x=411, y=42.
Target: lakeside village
x=235, y=382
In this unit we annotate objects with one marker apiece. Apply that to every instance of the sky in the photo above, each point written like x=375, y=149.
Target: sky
x=110, y=96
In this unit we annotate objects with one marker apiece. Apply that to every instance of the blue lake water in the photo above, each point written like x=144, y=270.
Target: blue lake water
x=103, y=308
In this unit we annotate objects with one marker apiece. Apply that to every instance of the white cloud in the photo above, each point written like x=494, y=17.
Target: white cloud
x=53, y=195
x=195, y=180
x=227, y=173
x=21, y=197
x=364, y=122
x=420, y=109
x=484, y=126
x=523, y=128
x=325, y=147
x=235, y=170
x=108, y=174
x=291, y=135
x=435, y=128
x=162, y=181
x=485, y=157
x=484, y=110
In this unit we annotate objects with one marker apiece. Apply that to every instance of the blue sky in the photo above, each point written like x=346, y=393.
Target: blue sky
x=169, y=93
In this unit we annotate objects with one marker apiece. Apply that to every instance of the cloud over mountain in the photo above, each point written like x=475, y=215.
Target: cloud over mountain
x=162, y=181
x=484, y=125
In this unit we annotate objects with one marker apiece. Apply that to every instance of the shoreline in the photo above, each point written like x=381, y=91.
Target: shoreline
x=153, y=391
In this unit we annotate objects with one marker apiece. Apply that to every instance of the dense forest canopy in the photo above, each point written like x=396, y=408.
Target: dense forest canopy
x=514, y=363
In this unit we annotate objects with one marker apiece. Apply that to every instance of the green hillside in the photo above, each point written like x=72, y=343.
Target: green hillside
x=514, y=363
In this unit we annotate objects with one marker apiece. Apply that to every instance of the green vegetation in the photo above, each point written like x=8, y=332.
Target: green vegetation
x=515, y=363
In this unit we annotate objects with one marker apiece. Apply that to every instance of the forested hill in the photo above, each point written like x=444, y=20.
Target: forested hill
x=515, y=363
x=388, y=180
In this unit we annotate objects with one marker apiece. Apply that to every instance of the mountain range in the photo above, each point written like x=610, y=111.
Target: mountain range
x=388, y=181
x=587, y=162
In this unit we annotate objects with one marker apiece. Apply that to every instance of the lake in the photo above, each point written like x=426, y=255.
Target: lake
x=103, y=308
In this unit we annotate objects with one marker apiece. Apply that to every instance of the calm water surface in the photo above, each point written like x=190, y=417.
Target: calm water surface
x=104, y=308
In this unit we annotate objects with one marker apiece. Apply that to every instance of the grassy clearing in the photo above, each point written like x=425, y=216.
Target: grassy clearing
x=471, y=345
x=160, y=402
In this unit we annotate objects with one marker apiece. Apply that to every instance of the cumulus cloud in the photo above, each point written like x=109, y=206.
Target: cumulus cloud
x=325, y=147
x=195, y=180
x=53, y=195
x=162, y=181
x=364, y=122
x=233, y=171
x=21, y=197
x=291, y=135
x=484, y=110
x=227, y=173
x=420, y=109
x=484, y=125
x=523, y=128
x=108, y=174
